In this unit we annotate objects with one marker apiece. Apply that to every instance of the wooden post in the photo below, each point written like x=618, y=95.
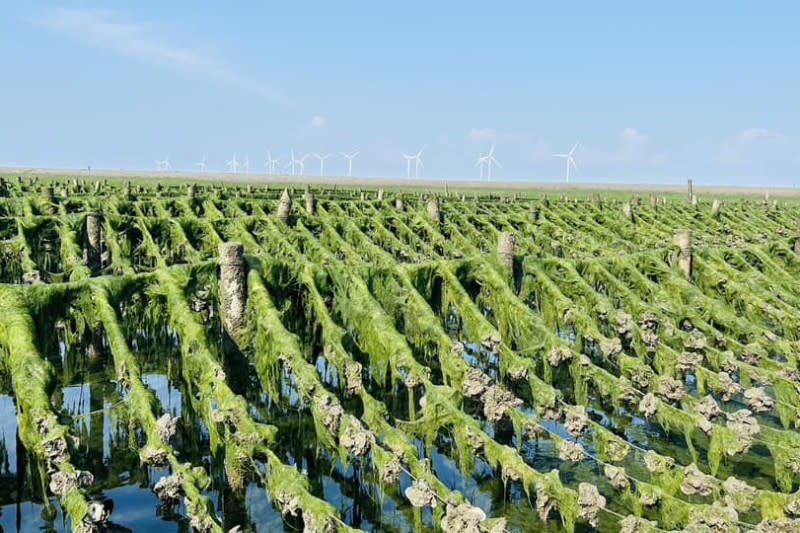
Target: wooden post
x=716, y=207
x=311, y=204
x=93, y=241
x=683, y=238
x=627, y=210
x=284, y=207
x=233, y=285
x=505, y=248
x=434, y=213
x=49, y=198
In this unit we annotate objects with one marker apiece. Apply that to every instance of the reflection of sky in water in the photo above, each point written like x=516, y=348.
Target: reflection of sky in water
x=31, y=518
x=77, y=403
x=8, y=429
x=260, y=510
x=168, y=396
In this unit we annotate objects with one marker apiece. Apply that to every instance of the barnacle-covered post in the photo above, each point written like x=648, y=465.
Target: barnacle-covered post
x=534, y=212
x=505, y=248
x=694, y=200
x=434, y=213
x=683, y=238
x=284, y=207
x=716, y=207
x=311, y=204
x=233, y=284
x=380, y=194
x=93, y=241
x=191, y=191
x=398, y=203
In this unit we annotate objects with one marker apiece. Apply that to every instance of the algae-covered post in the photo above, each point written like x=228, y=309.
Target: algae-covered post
x=49, y=199
x=93, y=241
x=690, y=191
x=191, y=191
x=233, y=285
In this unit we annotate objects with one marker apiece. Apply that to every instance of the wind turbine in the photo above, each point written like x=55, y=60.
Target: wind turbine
x=350, y=161
x=570, y=160
x=232, y=164
x=163, y=164
x=302, y=163
x=322, y=159
x=270, y=163
x=409, y=159
x=488, y=160
x=202, y=164
x=418, y=162
x=293, y=163
x=246, y=164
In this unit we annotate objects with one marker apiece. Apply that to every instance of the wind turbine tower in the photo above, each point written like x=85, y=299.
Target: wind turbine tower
x=488, y=160
x=232, y=164
x=350, y=158
x=322, y=159
x=569, y=159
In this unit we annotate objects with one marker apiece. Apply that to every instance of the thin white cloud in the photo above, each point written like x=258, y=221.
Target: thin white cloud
x=318, y=121
x=754, y=134
x=149, y=43
x=482, y=135
x=633, y=137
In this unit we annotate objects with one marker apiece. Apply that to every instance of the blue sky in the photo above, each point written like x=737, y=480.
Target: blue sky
x=654, y=93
